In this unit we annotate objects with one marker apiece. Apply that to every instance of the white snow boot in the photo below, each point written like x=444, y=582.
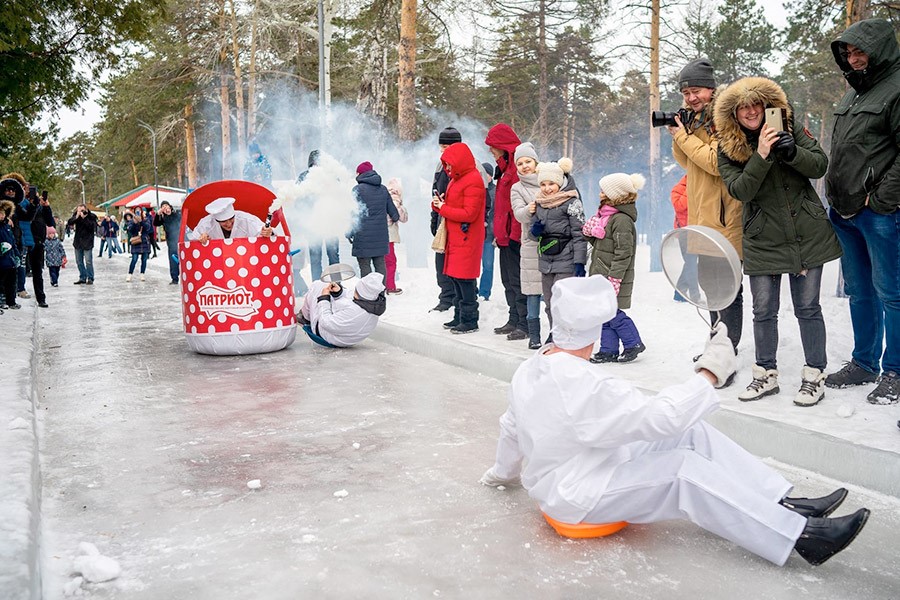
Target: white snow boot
x=142, y=277
x=128, y=278
x=765, y=383
x=812, y=388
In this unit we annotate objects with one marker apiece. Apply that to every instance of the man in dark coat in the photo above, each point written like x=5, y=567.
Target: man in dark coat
x=169, y=218
x=863, y=188
x=370, y=235
x=446, y=294
x=85, y=224
x=332, y=245
x=43, y=218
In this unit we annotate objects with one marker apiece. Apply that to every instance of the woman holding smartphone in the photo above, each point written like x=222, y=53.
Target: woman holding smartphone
x=767, y=165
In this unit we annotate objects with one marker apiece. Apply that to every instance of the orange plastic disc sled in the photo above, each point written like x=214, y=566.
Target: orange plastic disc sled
x=584, y=530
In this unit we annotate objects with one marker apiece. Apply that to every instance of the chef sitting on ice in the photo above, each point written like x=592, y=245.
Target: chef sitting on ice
x=598, y=450
x=338, y=318
x=222, y=222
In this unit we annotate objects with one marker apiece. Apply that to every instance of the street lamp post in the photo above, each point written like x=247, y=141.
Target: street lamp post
x=105, y=184
x=155, y=171
x=82, y=189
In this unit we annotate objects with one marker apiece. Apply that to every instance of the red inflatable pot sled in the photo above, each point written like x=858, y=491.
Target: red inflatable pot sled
x=237, y=294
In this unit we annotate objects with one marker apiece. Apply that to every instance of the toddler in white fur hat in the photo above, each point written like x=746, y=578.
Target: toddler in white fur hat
x=612, y=236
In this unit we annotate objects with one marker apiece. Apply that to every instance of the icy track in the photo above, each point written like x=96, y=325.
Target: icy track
x=313, y=473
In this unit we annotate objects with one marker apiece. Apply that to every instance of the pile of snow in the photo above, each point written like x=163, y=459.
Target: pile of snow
x=93, y=566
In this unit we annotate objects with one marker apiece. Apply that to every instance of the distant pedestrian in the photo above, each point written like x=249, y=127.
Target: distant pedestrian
x=370, y=235
x=85, y=224
x=395, y=188
x=55, y=255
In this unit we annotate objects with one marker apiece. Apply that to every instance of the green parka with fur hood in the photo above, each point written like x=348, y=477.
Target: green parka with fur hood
x=785, y=226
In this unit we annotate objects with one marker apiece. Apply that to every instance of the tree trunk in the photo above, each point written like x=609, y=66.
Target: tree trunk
x=406, y=84
x=134, y=173
x=329, y=16
x=251, y=81
x=543, y=79
x=224, y=100
x=373, y=89
x=190, y=143
x=655, y=164
x=238, y=82
x=857, y=10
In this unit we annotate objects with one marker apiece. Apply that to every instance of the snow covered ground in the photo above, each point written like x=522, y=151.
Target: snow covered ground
x=367, y=461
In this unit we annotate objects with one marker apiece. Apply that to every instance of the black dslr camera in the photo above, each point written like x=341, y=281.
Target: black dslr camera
x=659, y=118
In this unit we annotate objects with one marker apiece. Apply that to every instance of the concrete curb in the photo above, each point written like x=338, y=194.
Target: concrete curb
x=20, y=472
x=833, y=457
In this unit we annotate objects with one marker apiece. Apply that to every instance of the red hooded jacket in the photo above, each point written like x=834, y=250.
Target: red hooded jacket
x=506, y=227
x=463, y=211
x=680, y=202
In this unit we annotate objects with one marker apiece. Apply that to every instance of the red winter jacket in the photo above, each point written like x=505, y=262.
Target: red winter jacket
x=680, y=202
x=506, y=227
x=463, y=211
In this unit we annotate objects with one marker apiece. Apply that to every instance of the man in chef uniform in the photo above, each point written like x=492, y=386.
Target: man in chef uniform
x=222, y=222
x=337, y=317
x=598, y=450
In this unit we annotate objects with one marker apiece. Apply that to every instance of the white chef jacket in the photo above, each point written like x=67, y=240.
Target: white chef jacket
x=339, y=321
x=245, y=225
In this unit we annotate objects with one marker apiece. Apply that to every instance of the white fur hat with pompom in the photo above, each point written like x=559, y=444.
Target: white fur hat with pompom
x=621, y=186
x=554, y=171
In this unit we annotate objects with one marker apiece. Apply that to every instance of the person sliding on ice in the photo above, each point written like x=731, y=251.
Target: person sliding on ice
x=556, y=225
x=598, y=450
x=223, y=222
x=612, y=236
x=337, y=318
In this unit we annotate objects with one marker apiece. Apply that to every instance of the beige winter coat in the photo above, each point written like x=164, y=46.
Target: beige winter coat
x=709, y=202
x=521, y=195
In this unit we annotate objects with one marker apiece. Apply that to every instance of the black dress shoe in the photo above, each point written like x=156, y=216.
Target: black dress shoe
x=79, y=282
x=816, y=507
x=43, y=304
x=505, y=329
x=823, y=538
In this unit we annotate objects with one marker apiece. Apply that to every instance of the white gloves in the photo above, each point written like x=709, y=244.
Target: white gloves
x=493, y=480
x=718, y=356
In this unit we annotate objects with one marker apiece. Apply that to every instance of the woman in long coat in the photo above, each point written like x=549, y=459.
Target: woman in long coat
x=139, y=226
x=522, y=198
x=462, y=208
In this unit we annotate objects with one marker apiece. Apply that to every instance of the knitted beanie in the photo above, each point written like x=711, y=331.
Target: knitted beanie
x=364, y=167
x=449, y=136
x=620, y=186
x=697, y=73
x=554, y=171
x=525, y=149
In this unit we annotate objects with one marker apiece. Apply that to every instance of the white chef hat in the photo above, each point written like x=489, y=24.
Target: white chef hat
x=221, y=209
x=580, y=307
x=370, y=286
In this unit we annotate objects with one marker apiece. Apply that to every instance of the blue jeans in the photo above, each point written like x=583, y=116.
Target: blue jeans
x=619, y=328
x=134, y=259
x=332, y=247
x=487, y=270
x=533, y=304
x=172, y=248
x=85, y=261
x=766, y=292
x=871, y=266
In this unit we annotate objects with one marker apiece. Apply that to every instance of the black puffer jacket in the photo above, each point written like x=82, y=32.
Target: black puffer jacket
x=370, y=236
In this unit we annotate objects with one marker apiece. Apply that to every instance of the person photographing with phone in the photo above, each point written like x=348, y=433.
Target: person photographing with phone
x=85, y=224
x=767, y=163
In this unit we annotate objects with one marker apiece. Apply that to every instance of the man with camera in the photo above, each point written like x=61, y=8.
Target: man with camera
x=85, y=224
x=695, y=148
x=169, y=218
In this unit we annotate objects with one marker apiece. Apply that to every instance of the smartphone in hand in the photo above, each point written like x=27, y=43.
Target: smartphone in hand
x=775, y=119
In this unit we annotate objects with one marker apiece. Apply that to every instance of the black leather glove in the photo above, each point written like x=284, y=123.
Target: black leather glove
x=784, y=146
x=338, y=292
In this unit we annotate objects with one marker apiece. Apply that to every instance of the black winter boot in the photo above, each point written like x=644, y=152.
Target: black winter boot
x=629, y=354
x=454, y=322
x=468, y=322
x=605, y=357
x=816, y=507
x=517, y=334
x=534, y=334
x=823, y=538
x=505, y=329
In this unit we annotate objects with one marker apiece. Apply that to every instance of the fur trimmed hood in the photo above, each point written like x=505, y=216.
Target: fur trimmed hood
x=733, y=140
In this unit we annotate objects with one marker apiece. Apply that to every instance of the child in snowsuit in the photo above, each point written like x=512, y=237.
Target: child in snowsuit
x=611, y=234
x=556, y=225
x=55, y=255
x=9, y=257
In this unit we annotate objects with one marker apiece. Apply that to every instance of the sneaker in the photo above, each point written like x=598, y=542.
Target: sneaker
x=14, y=306
x=815, y=507
x=23, y=294
x=887, y=391
x=850, y=374
x=534, y=344
x=173, y=282
x=3, y=305
x=823, y=538
x=464, y=328
x=605, y=357
x=80, y=282
x=629, y=354
x=128, y=278
x=394, y=291
x=505, y=329
x=142, y=277
x=54, y=284
x=765, y=383
x=89, y=282
x=812, y=389
x=517, y=334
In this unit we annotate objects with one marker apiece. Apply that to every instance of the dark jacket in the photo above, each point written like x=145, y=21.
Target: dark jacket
x=85, y=228
x=463, y=211
x=310, y=163
x=565, y=221
x=10, y=258
x=785, y=226
x=865, y=142
x=370, y=236
x=613, y=255
x=141, y=228
x=489, y=193
x=439, y=185
x=171, y=224
x=43, y=218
